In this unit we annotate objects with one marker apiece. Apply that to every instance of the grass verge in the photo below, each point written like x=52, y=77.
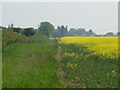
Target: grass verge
x=31, y=65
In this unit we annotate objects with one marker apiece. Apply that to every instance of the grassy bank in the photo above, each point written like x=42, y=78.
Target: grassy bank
x=10, y=37
x=29, y=61
x=31, y=65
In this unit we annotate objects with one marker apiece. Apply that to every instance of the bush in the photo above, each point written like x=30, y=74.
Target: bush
x=28, y=32
x=9, y=36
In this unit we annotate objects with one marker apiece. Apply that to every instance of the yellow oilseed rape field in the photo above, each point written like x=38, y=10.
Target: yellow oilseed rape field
x=92, y=62
x=105, y=46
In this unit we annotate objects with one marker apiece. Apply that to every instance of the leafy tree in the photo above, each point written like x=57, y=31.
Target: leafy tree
x=118, y=33
x=62, y=31
x=55, y=34
x=81, y=31
x=109, y=34
x=90, y=32
x=72, y=31
x=18, y=30
x=28, y=32
x=46, y=28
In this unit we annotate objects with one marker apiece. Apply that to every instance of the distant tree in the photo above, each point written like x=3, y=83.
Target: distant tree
x=72, y=31
x=58, y=28
x=60, y=31
x=81, y=31
x=109, y=34
x=90, y=32
x=66, y=30
x=118, y=33
x=46, y=28
x=28, y=32
x=55, y=34
x=18, y=30
x=87, y=33
x=63, y=30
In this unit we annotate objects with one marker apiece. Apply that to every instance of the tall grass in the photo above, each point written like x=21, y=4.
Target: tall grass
x=31, y=65
x=29, y=62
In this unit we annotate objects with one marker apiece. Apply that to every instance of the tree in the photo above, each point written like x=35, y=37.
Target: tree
x=91, y=32
x=55, y=34
x=72, y=31
x=78, y=31
x=61, y=31
x=81, y=31
x=109, y=34
x=28, y=32
x=46, y=28
x=18, y=30
x=118, y=33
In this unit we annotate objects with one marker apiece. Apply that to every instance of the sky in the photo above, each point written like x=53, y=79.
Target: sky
x=101, y=17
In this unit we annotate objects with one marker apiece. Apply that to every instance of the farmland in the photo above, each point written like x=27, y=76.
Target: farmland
x=90, y=61
x=67, y=62
x=59, y=44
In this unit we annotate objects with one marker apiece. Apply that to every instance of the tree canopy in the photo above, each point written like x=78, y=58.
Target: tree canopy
x=28, y=32
x=109, y=34
x=46, y=28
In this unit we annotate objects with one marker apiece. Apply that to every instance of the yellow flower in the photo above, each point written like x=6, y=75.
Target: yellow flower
x=113, y=71
x=107, y=47
x=75, y=65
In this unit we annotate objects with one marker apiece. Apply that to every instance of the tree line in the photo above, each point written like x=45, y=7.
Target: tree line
x=49, y=30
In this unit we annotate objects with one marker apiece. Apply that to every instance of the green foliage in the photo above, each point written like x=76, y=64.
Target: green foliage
x=18, y=30
x=60, y=32
x=72, y=31
x=8, y=37
x=109, y=34
x=91, y=71
x=118, y=33
x=80, y=31
x=28, y=32
x=24, y=31
x=90, y=32
x=46, y=28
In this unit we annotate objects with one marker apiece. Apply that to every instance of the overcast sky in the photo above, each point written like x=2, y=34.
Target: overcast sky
x=101, y=17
